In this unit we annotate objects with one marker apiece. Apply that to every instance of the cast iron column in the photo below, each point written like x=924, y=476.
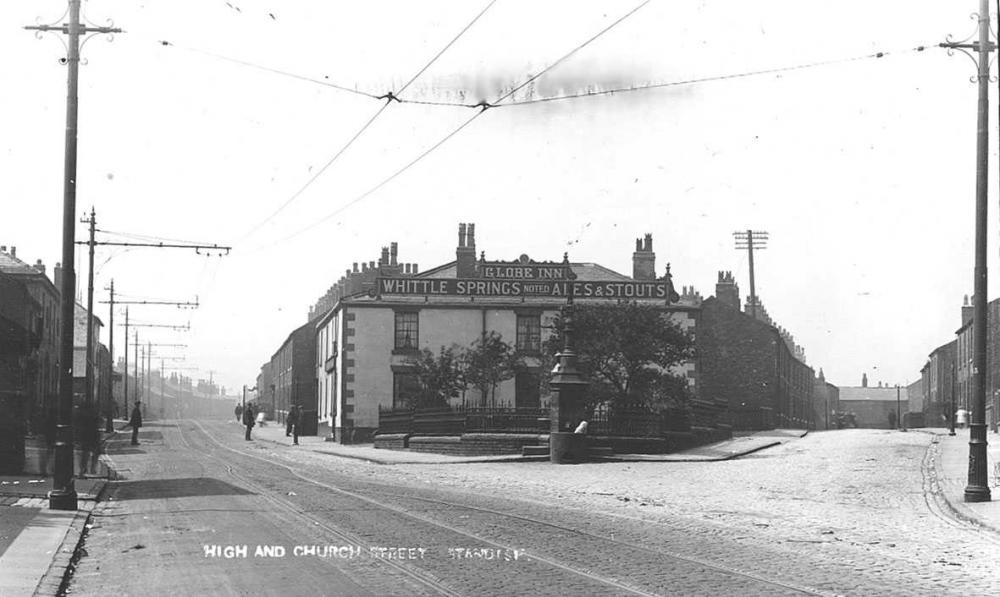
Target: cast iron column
x=568, y=388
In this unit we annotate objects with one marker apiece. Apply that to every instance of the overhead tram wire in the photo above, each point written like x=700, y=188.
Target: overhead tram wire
x=483, y=107
x=769, y=71
x=270, y=69
x=388, y=97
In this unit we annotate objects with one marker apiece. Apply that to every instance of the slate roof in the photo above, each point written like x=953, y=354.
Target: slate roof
x=883, y=394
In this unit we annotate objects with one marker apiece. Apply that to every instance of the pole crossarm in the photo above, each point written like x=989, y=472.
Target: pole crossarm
x=184, y=328
x=223, y=250
x=194, y=304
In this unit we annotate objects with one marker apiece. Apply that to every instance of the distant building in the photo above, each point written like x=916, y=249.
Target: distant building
x=939, y=379
x=266, y=394
x=41, y=366
x=751, y=365
x=874, y=407
x=914, y=412
x=80, y=358
x=826, y=403
x=293, y=374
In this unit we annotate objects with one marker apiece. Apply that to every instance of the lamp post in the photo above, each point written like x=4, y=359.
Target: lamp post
x=898, y=423
x=568, y=386
x=977, y=489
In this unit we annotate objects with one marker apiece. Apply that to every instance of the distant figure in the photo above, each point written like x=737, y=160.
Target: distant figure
x=239, y=412
x=135, y=422
x=51, y=417
x=294, y=416
x=248, y=420
x=288, y=421
x=88, y=438
x=892, y=419
x=962, y=418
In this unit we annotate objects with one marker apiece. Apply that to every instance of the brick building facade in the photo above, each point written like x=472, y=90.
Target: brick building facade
x=751, y=365
x=41, y=366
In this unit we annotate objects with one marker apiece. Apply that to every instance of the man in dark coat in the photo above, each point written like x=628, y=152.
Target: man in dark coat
x=294, y=419
x=239, y=412
x=88, y=438
x=248, y=419
x=135, y=422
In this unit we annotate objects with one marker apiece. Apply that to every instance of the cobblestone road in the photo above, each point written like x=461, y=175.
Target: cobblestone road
x=833, y=513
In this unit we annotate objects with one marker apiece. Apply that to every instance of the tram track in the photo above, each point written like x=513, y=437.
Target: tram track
x=772, y=585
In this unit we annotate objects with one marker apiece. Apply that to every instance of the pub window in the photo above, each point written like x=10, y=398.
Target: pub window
x=529, y=333
x=405, y=387
x=406, y=329
x=527, y=390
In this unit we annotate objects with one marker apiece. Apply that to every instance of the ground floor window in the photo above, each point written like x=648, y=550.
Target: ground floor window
x=527, y=393
x=405, y=388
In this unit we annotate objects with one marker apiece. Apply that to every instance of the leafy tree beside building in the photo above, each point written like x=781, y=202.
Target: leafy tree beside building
x=627, y=351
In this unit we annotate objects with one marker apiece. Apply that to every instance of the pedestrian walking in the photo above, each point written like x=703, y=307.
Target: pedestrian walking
x=238, y=411
x=294, y=418
x=248, y=420
x=288, y=421
x=88, y=438
x=135, y=422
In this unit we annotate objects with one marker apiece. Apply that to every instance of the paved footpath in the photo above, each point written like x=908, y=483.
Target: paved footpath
x=37, y=544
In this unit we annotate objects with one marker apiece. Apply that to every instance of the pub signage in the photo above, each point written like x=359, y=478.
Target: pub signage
x=516, y=287
x=524, y=271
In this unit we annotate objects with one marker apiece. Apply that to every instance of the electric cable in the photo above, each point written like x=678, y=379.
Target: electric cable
x=389, y=97
x=484, y=106
x=713, y=78
x=270, y=69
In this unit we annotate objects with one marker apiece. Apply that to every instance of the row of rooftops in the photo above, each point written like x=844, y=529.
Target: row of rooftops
x=358, y=281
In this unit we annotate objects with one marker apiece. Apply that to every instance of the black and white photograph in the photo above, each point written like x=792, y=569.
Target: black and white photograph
x=499, y=298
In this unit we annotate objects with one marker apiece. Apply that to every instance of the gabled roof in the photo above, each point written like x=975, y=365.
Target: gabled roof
x=883, y=394
x=14, y=266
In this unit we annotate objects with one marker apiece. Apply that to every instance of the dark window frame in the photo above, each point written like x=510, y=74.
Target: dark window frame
x=528, y=333
x=406, y=330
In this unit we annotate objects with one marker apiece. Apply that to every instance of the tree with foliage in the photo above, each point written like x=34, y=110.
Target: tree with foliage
x=440, y=377
x=626, y=352
x=488, y=362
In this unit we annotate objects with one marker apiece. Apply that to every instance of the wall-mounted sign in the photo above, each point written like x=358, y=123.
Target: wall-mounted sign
x=519, y=271
x=654, y=289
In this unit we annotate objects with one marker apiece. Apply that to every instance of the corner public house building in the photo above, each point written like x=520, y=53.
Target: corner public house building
x=374, y=322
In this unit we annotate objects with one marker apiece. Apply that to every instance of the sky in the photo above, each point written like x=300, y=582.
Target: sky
x=861, y=169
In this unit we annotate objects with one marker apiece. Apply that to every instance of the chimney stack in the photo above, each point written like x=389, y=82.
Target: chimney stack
x=57, y=275
x=40, y=266
x=393, y=252
x=726, y=290
x=384, y=259
x=465, y=254
x=13, y=252
x=967, y=310
x=644, y=259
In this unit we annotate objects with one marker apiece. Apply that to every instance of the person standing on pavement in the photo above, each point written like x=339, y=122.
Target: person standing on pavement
x=248, y=420
x=294, y=418
x=288, y=421
x=238, y=411
x=135, y=422
x=88, y=438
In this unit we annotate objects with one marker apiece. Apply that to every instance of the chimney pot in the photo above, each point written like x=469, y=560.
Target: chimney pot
x=13, y=251
x=355, y=267
x=413, y=268
x=471, y=240
x=461, y=235
x=393, y=252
